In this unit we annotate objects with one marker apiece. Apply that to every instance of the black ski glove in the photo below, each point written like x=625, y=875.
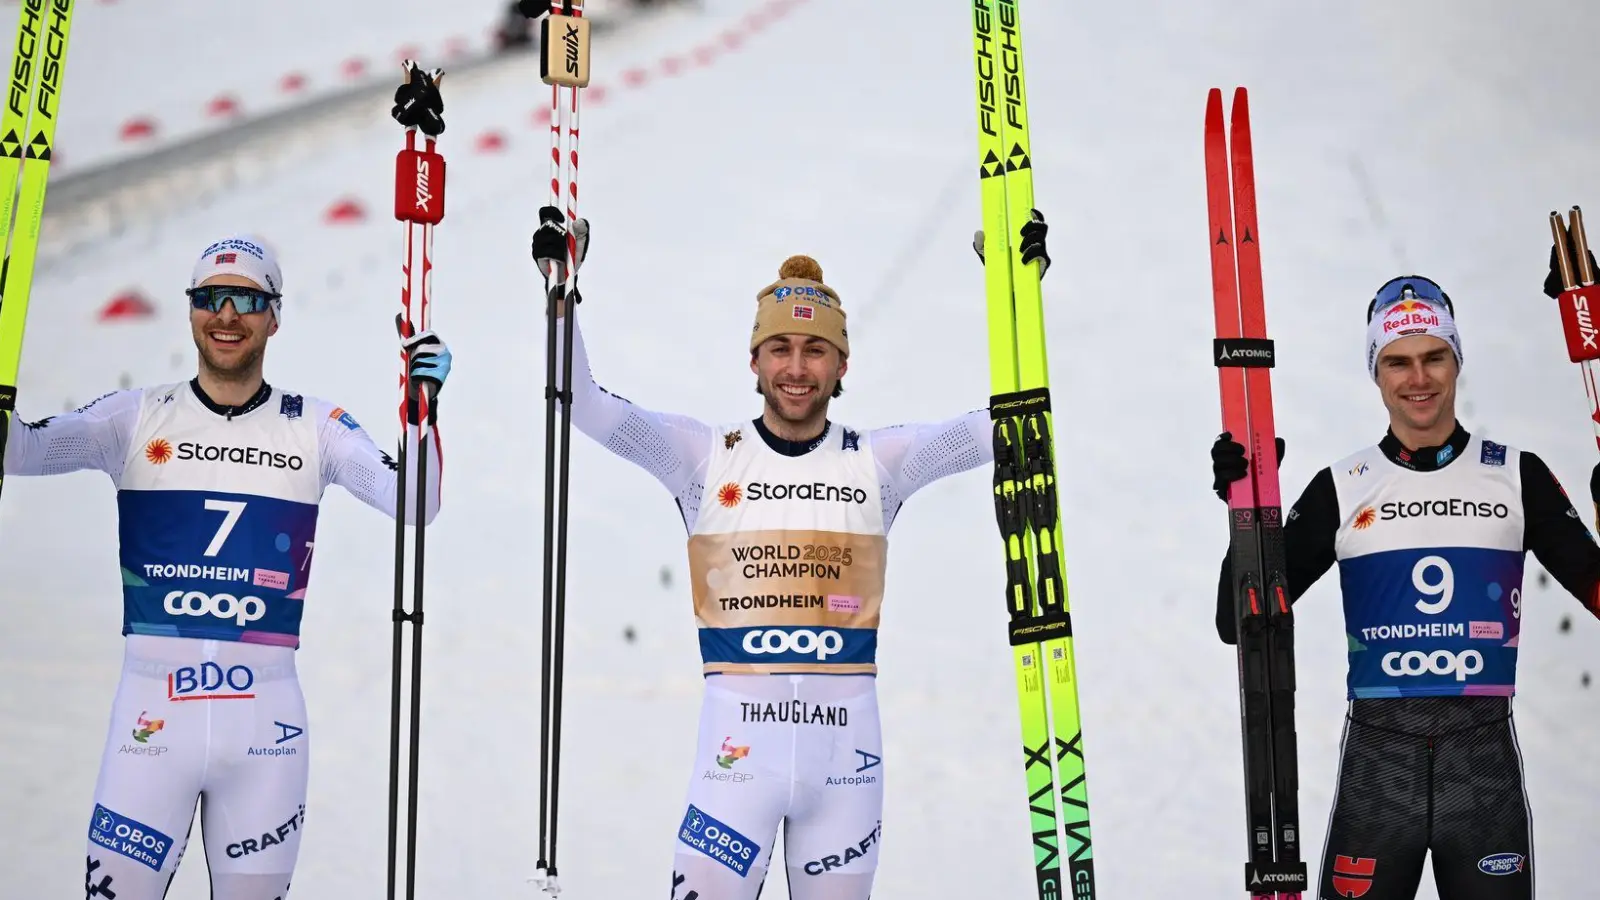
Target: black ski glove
x=533, y=9
x=1228, y=462
x=1033, y=247
x=417, y=103
x=550, y=244
x=1552, y=282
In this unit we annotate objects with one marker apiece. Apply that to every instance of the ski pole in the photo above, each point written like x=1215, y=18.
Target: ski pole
x=563, y=63
x=419, y=203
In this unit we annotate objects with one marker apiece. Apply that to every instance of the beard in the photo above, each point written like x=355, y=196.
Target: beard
x=817, y=405
x=247, y=364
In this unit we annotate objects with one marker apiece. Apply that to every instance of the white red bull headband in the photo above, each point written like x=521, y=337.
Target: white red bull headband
x=1407, y=306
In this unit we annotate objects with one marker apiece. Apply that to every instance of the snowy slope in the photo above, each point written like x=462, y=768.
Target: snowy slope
x=1425, y=138
x=165, y=62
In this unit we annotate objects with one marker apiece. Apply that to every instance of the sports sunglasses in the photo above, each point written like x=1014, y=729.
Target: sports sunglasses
x=1407, y=287
x=246, y=300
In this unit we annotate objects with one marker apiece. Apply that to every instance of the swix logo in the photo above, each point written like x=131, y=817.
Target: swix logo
x=572, y=41
x=1352, y=875
x=424, y=183
x=1585, y=322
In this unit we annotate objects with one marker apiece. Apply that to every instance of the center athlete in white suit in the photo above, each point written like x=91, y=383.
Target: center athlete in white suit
x=787, y=516
x=218, y=482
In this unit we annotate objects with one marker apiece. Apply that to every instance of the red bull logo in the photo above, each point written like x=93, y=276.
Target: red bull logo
x=1411, y=315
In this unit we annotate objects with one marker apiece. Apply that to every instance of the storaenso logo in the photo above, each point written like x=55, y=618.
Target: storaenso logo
x=55, y=44
x=1454, y=508
x=761, y=490
x=22, y=65
x=242, y=610
x=983, y=27
x=248, y=456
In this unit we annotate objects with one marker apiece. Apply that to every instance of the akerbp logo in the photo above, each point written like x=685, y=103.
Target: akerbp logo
x=1501, y=864
x=242, y=610
x=716, y=840
x=803, y=641
x=1439, y=662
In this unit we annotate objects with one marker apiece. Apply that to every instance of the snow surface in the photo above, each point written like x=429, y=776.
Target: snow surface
x=1428, y=136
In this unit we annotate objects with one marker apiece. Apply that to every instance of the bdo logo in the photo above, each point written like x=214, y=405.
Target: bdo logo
x=242, y=610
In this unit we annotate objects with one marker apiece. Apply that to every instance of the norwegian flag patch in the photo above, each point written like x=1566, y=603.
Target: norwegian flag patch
x=803, y=312
x=225, y=258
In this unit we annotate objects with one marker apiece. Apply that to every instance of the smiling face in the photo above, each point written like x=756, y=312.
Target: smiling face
x=231, y=346
x=797, y=374
x=1417, y=378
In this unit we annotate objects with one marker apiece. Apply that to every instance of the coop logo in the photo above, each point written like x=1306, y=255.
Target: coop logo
x=1411, y=315
x=1501, y=864
x=816, y=490
x=1439, y=662
x=804, y=641
x=242, y=610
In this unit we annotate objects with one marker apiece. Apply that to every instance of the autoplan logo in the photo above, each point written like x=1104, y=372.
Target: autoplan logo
x=730, y=494
x=158, y=452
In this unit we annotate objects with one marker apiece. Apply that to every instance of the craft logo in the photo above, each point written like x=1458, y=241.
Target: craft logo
x=275, y=837
x=803, y=312
x=731, y=754
x=1365, y=518
x=158, y=452
x=852, y=853
x=730, y=494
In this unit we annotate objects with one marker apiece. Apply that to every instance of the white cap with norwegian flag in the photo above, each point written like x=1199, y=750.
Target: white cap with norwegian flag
x=242, y=255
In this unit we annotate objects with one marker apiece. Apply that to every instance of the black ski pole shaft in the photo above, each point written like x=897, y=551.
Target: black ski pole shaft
x=551, y=394
x=424, y=432
x=559, y=641
x=399, y=616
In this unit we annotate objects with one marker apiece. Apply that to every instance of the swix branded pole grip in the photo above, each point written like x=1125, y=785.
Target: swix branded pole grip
x=419, y=186
x=1579, y=310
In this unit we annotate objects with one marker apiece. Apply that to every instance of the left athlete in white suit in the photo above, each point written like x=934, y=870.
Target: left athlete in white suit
x=218, y=483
